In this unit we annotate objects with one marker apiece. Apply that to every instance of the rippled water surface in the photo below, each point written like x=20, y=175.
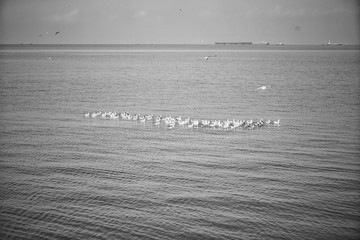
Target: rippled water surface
x=67, y=176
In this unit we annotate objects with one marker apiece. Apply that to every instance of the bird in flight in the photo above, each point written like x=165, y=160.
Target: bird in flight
x=57, y=33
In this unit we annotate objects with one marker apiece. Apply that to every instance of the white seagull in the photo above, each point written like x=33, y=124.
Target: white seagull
x=262, y=88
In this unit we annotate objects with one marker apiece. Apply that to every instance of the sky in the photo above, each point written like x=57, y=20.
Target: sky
x=179, y=21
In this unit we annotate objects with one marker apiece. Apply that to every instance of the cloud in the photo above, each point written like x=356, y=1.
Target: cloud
x=334, y=11
x=279, y=11
x=66, y=17
x=275, y=12
x=139, y=14
x=208, y=13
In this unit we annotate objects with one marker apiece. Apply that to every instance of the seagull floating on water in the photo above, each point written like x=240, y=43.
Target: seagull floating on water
x=263, y=88
x=171, y=122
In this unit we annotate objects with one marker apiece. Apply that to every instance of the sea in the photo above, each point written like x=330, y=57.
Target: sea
x=67, y=176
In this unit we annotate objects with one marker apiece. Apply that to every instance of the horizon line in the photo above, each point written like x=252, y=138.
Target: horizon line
x=214, y=43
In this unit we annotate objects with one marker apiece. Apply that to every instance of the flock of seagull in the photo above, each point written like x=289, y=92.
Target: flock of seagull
x=171, y=122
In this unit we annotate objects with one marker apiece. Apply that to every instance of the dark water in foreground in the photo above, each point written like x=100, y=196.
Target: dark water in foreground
x=67, y=176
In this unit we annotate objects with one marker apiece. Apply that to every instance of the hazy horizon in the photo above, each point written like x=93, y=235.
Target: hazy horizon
x=104, y=44
x=179, y=22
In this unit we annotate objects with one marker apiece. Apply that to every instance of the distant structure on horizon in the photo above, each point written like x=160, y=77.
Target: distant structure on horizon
x=241, y=43
x=336, y=44
x=262, y=43
x=233, y=43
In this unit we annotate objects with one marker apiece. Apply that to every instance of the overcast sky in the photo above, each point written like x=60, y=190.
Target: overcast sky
x=179, y=21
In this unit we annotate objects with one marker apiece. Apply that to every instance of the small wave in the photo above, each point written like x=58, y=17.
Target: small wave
x=172, y=122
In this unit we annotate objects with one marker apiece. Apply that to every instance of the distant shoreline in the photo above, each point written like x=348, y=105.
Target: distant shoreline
x=242, y=46
x=214, y=43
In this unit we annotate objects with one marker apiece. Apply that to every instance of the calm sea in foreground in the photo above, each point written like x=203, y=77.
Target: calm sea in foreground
x=65, y=176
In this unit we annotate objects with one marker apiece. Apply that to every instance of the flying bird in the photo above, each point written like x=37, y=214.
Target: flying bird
x=57, y=33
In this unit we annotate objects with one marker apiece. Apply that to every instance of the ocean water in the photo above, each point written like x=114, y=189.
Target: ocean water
x=65, y=176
